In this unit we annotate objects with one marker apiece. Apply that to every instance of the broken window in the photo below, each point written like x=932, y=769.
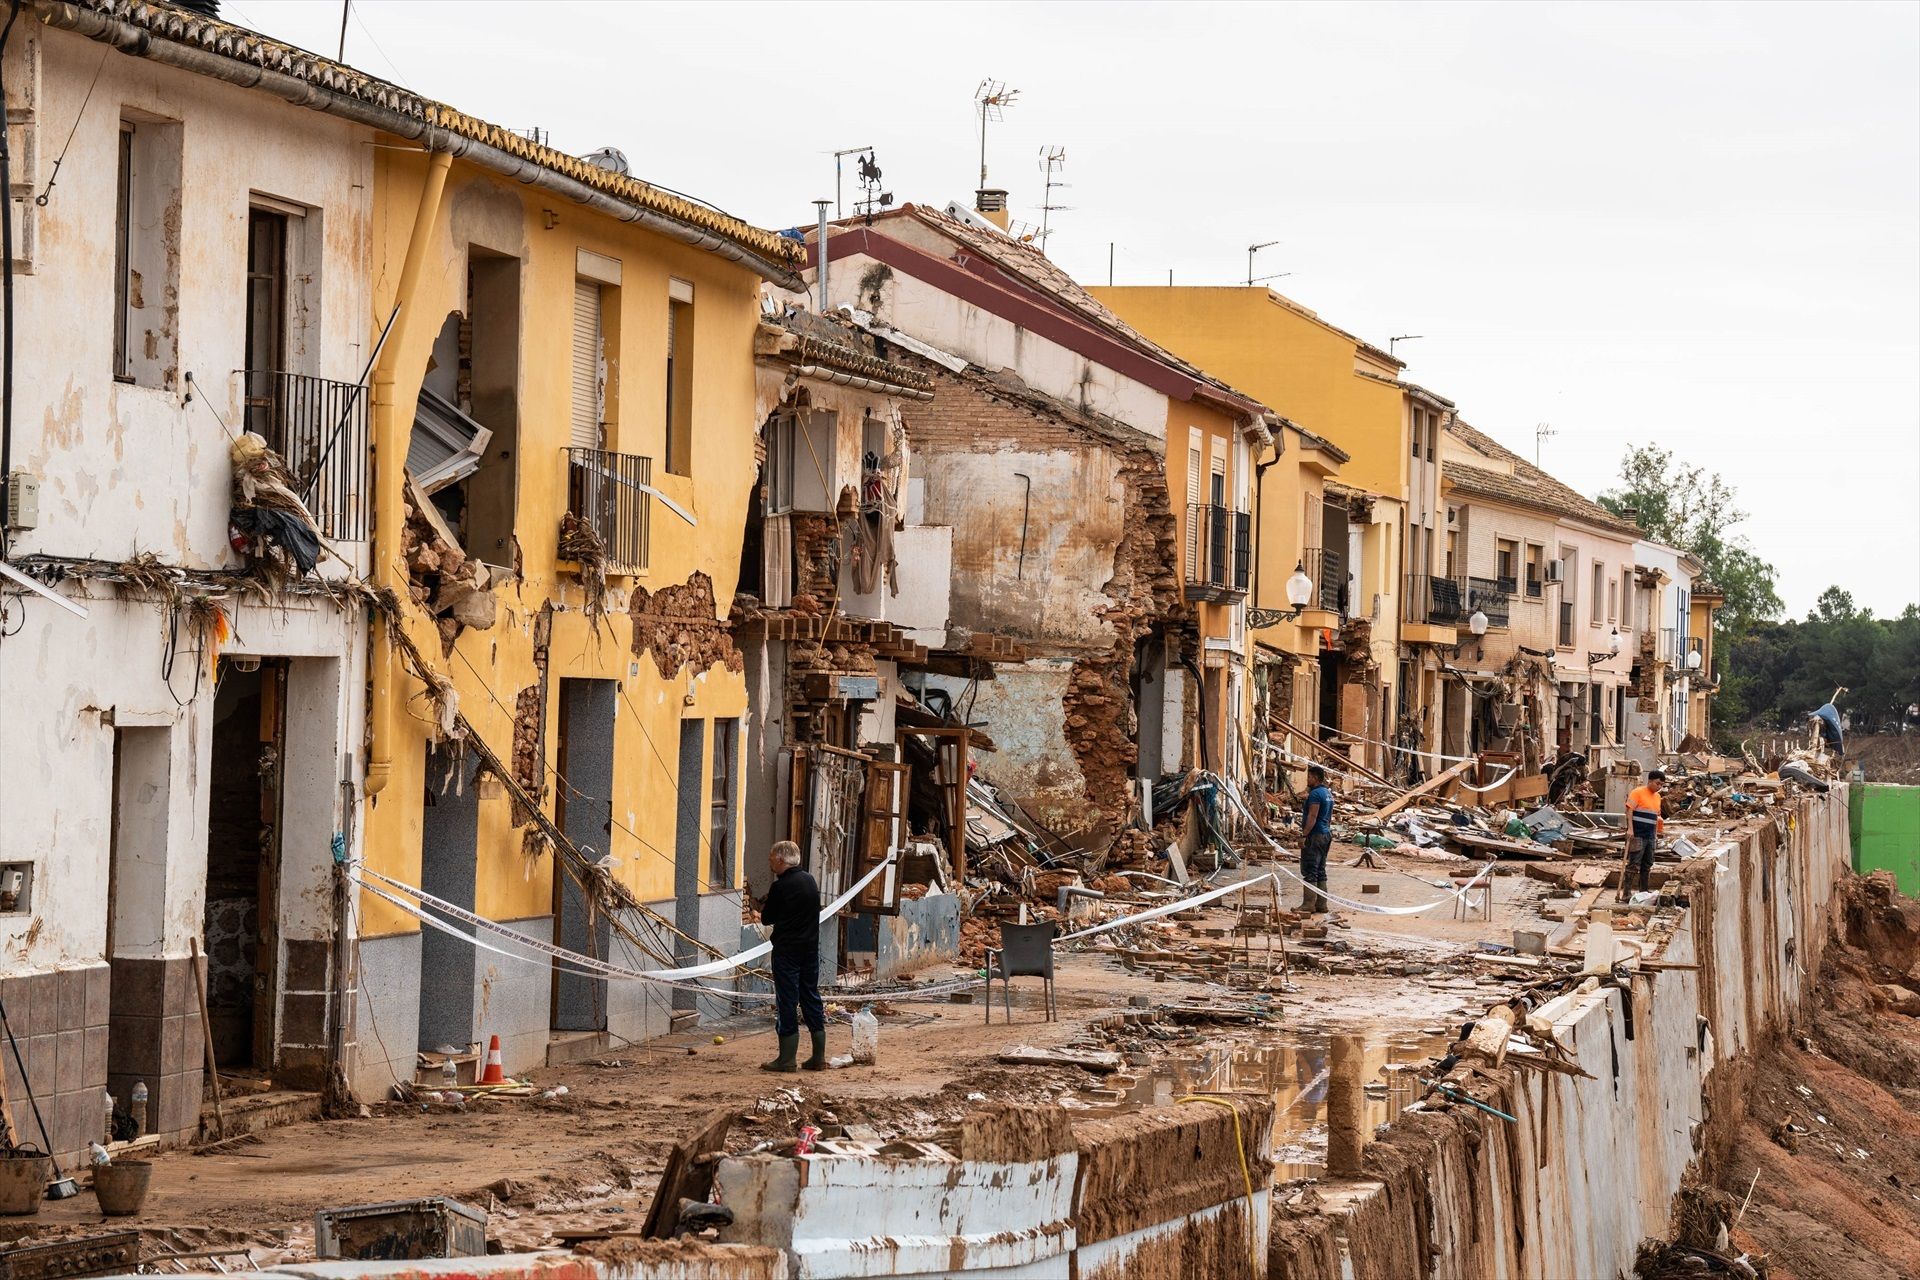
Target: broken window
x=491, y=368
x=266, y=351
x=722, y=803
x=146, y=341
x=680, y=334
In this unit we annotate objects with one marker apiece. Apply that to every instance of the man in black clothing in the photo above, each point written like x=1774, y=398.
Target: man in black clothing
x=791, y=913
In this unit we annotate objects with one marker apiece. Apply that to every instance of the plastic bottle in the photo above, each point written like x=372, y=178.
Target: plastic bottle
x=866, y=1038
x=106, y=1102
x=449, y=1073
x=142, y=1121
x=98, y=1153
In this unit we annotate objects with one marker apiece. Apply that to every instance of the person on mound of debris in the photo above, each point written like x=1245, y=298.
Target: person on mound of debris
x=1316, y=824
x=1645, y=821
x=791, y=915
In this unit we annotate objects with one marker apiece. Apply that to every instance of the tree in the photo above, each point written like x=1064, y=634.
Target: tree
x=1693, y=510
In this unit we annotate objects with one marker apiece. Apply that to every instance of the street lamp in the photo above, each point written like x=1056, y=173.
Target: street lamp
x=1299, y=589
x=1613, y=642
x=1693, y=659
x=1478, y=622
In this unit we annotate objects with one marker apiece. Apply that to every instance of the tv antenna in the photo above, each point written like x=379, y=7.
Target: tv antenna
x=1051, y=158
x=1404, y=337
x=1253, y=279
x=839, y=156
x=1541, y=432
x=992, y=97
x=872, y=198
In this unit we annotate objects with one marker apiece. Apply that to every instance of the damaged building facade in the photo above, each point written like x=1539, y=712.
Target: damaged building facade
x=187, y=486
x=1551, y=675
x=1099, y=492
x=1354, y=664
x=559, y=710
x=843, y=599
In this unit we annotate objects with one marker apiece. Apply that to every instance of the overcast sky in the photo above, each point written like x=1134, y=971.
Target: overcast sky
x=1690, y=224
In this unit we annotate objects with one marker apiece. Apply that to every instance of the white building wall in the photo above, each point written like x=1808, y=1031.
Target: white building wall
x=126, y=469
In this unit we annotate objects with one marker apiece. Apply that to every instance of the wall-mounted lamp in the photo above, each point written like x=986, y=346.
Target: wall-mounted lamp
x=1613, y=650
x=1693, y=659
x=1477, y=625
x=1299, y=589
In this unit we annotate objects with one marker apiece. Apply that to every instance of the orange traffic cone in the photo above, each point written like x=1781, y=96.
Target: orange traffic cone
x=495, y=1073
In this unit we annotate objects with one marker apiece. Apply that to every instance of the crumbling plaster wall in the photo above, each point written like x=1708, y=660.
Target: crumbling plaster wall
x=125, y=467
x=1097, y=570
x=955, y=325
x=142, y=467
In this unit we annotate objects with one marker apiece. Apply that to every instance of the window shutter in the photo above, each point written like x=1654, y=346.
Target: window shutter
x=587, y=374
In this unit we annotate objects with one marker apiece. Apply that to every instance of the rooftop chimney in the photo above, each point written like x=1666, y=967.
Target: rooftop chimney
x=991, y=204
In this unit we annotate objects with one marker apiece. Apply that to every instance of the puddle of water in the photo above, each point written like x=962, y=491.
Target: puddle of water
x=1292, y=1070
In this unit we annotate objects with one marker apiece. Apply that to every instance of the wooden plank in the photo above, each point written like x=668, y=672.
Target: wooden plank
x=1406, y=798
x=685, y=1176
x=1333, y=757
x=1025, y=1055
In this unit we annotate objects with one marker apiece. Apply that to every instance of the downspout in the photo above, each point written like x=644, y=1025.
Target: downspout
x=389, y=471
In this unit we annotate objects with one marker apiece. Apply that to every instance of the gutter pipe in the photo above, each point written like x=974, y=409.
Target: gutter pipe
x=138, y=43
x=823, y=374
x=389, y=454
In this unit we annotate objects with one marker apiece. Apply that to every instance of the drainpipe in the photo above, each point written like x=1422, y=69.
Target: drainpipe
x=389, y=472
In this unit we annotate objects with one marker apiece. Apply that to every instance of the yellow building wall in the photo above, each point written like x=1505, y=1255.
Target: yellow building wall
x=489, y=668
x=1213, y=621
x=1297, y=365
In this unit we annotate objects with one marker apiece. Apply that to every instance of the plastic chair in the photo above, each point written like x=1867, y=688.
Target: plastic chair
x=1025, y=951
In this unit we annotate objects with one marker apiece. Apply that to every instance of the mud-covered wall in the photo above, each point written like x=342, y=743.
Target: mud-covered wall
x=1591, y=1164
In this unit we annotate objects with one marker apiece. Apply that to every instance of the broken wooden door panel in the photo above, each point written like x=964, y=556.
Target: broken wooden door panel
x=884, y=834
x=828, y=784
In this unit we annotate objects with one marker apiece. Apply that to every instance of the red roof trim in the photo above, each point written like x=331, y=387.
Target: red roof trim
x=1020, y=303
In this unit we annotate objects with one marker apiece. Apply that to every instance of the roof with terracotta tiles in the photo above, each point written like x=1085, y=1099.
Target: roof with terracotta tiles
x=1528, y=486
x=241, y=45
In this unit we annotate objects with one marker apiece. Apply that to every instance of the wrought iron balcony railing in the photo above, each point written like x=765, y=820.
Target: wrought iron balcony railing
x=1488, y=596
x=604, y=490
x=319, y=426
x=1327, y=567
x=1219, y=552
x=1440, y=601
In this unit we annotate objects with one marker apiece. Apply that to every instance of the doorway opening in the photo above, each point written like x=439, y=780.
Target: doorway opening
x=587, y=709
x=243, y=860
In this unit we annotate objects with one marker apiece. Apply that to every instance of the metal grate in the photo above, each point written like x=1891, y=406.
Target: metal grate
x=319, y=426
x=1440, y=601
x=1488, y=596
x=1219, y=550
x=603, y=489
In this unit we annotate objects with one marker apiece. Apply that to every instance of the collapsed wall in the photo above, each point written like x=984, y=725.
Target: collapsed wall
x=1591, y=1164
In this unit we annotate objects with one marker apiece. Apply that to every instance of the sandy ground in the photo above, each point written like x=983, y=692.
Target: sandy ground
x=591, y=1158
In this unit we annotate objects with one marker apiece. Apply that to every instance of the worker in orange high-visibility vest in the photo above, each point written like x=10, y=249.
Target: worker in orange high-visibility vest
x=1644, y=824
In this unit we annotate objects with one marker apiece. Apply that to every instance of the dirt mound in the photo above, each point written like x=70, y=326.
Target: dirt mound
x=1887, y=757
x=1822, y=1178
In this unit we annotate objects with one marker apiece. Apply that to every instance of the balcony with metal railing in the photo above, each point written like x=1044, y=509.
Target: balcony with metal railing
x=1435, y=600
x=1491, y=597
x=604, y=492
x=319, y=426
x=1219, y=552
x=1327, y=567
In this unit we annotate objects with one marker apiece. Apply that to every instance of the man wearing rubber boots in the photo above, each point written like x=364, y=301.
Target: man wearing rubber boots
x=1316, y=825
x=791, y=915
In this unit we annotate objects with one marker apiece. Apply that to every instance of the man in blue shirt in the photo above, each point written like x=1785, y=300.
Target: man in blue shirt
x=1316, y=822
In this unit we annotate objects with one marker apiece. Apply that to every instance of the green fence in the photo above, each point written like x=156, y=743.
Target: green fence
x=1885, y=822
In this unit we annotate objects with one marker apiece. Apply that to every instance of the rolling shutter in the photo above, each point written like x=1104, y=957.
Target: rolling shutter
x=584, y=431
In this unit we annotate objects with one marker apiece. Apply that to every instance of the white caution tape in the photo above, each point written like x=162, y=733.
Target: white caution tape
x=1168, y=908
x=711, y=968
